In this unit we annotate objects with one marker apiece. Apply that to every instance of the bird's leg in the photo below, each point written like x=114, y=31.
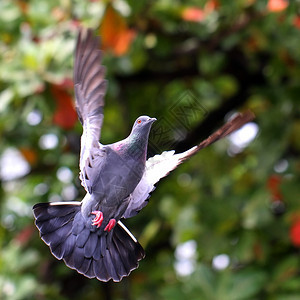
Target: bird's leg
x=98, y=219
x=111, y=224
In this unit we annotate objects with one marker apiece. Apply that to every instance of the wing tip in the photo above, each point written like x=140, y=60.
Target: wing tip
x=246, y=116
x=43, y=204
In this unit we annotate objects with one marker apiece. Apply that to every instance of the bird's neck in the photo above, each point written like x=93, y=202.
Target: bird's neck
x=137, y=146
x=133, y=146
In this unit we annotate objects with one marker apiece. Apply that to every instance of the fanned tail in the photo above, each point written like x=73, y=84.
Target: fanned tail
x=105, y=256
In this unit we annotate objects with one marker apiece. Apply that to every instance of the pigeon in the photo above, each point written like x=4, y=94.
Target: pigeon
x=89, y=235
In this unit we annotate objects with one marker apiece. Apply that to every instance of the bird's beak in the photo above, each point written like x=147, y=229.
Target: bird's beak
x=152, y=120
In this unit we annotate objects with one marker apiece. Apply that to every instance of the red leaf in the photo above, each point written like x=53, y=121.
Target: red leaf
x=25, y=234
x=23, y=5
x=196, y=14
x=277, y=5
x=273, y=186
x=295, y=233
x=296, y=22
x=66, y=83
x=29, y=154
x=211, y=5
x=65, y=115
x=193, y=14
x=115, y=34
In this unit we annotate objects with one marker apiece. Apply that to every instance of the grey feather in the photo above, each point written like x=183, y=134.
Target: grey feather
x=90, y=245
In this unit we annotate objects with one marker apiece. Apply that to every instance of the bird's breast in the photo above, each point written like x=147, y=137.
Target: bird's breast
x=118, y=177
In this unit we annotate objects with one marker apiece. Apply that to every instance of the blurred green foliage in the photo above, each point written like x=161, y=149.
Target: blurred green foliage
x=243, y=207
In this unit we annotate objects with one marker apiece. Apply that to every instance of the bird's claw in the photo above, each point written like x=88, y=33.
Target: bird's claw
x=111, y=224
x=98, y=219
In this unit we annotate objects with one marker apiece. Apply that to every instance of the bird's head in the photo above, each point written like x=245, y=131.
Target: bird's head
x=143, y=122
x=142, y=126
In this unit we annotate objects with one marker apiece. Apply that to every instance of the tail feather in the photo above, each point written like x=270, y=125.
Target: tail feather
x=91, y=252
x=124, y=248
x=87, y=267
x=78, y=225
x=90, y=246
x=46, y=211
x=98, y=254
x=117, y=260
x=99, y=270
x=110, y=267
x=90, y=272
x=78, y=258
x=53, y=224
x=65, y=248
x=122, y=255
x=83, y=237
x=57, y=237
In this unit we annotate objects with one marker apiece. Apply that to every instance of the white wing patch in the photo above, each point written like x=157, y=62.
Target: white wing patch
x=161, y=165
x=89, y=148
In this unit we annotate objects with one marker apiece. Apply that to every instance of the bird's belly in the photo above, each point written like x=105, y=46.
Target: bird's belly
x=111, y=194
x=117, y=179
x=112, y=184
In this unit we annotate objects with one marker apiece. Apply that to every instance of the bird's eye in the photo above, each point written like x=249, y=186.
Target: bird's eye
x=139, y=121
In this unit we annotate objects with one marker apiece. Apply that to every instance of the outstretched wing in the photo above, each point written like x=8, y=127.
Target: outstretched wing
x=90, y=88
x=161, y=165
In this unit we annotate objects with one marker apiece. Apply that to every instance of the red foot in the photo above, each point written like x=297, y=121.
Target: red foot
x=111, y=224
x=98, y=219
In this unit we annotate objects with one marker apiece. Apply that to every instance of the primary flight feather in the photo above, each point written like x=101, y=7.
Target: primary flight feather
x=118, y=180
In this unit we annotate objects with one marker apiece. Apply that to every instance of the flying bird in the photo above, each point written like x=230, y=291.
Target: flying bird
x=118, y=179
